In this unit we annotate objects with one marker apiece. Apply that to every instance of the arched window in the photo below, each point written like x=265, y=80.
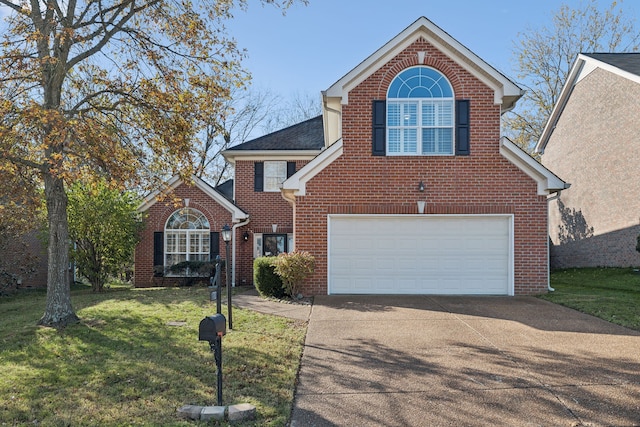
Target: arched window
x=420, y=113
x=186, y=237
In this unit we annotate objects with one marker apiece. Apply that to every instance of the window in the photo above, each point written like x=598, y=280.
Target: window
x=269, y=176
x=186, y=238
x=274, y=175
x=420, y=113
x=272, y=244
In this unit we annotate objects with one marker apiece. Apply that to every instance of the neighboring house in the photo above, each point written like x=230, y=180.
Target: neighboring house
x=592, y=139
x=402, y=186
x=23, y=262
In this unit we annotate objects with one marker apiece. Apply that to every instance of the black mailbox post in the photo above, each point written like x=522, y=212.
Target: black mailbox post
x=211, y=329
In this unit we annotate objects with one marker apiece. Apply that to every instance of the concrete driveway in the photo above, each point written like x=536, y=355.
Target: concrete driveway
x=464, y=361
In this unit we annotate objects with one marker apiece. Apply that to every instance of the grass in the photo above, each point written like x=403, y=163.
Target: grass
x=612, y=294
x=123, y=365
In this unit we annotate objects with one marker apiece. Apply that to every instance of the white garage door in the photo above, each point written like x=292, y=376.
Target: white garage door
x=420, y=254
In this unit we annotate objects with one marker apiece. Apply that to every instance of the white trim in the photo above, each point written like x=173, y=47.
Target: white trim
x=511, y=262
x=501, y=85
x=237, y=214
x=296, y=183
x=547, y=181
x=266, y=155
x=582, y=66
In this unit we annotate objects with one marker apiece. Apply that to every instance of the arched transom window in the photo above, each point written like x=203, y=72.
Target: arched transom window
x=420, y=113
x=186, y=237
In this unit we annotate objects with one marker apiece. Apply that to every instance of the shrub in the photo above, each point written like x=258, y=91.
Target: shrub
x=267, y=282
x=293, y=268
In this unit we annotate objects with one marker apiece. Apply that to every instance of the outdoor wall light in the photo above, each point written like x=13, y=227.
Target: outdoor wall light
x=421, y=186
x=226, y=233
x=245, y=236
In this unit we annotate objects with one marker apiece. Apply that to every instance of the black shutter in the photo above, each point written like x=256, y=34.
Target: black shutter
x=214, y=245
x=258, y=176
x=158, y=253
x=379, y=131
x=462, y=128
x=291, y=168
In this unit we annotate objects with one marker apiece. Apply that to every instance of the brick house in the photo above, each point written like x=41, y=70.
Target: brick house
x=403, y=185
x=591, y=140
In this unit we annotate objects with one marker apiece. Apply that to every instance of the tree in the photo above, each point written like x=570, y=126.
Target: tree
x=116, y=88
x=104, y=229
x=545, y=55
x=250, y=110
x=247, y=110
x=300, y=107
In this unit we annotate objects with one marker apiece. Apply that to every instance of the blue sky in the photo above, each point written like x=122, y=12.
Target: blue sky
x=313, y=46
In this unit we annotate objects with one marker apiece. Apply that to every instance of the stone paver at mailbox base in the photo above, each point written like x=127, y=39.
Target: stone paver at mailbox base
x=191, y=412
x=212, y=413
x=241, y=412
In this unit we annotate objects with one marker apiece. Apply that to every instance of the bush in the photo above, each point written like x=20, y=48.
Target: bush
x=267, y=282
x=293, y=268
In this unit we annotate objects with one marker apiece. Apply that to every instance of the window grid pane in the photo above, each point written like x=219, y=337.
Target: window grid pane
x=186, y=239
x=274, y=175
x=410, y=141
x=420, y=113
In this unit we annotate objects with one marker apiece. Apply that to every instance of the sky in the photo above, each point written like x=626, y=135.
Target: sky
x=313, y=46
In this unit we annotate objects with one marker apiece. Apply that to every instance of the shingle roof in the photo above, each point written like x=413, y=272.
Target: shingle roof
x=629, y=62
x=226, y=189
x=307, y=135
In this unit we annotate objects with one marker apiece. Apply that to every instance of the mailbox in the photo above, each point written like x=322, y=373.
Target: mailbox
x=211, y=327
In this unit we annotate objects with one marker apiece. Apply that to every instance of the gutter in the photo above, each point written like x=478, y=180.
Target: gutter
x=233, y=250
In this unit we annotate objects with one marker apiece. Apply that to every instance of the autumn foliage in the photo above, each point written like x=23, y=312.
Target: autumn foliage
x=118, y=89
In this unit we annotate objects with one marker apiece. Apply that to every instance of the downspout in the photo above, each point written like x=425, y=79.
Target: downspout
x=550, y=199
x=233, y=250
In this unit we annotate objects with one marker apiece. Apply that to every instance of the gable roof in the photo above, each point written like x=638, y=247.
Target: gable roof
x=626, y=65
x=306, y=137
x=237, y=214
x=547, y=181
x=506, y=92
x=226, y=189
x=629, y=62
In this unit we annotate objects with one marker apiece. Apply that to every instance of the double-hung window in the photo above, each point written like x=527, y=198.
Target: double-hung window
x=275, y=172
x=420, y=113
x=269, y=175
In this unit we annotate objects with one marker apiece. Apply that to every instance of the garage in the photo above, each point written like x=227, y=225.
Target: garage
x=420, y=254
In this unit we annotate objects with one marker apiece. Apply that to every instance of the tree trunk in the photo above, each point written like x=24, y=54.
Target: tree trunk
x=58, y=311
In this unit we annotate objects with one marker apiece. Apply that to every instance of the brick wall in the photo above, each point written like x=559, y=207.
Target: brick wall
x=264, y=208
x=483, y=182
x=157, y=216
x=594, y=147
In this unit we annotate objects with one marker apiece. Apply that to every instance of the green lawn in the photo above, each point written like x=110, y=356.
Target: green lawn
x=123, y=365
x=612, y=294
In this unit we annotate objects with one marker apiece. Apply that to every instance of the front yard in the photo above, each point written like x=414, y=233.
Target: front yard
x=124, y=365
x=612, y=294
